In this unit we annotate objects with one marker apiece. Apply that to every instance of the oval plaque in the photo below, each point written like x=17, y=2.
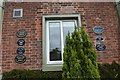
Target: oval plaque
x=21, y=33
x=20, y=50
x=21, y=42
x=100, y=47
x=98, y=29
x=99, y=38
x=20, y=59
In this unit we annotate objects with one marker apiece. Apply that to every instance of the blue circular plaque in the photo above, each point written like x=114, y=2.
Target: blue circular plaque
x=100, y=47
x=98, y=29
x=20, y=59
x=99, y=38
x=20, y=50
x=21, y=42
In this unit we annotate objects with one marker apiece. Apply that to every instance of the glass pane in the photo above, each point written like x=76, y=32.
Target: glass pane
x=68, y=26
x=17, y=13
x=55, y=41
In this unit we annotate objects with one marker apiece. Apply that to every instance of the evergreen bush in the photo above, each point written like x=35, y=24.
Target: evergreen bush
x=79, y=57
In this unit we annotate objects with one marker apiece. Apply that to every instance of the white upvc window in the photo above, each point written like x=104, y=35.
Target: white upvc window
x=54, y=31
x=17, y=13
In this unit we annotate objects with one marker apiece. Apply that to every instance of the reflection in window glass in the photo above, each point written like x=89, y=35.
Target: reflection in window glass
x=68, y=26
x=55, y=41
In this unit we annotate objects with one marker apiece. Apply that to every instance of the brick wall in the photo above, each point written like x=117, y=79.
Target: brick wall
x=93, y=14
x=119, y=39
x=119, y=43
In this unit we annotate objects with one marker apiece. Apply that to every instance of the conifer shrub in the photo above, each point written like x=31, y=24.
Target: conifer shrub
x=79, y=57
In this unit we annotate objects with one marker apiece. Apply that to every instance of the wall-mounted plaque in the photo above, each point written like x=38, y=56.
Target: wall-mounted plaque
x=20, y=59
x=100, y=47
x=21, y=42
x=21, y=33
x=20, y=50
x=98, y=29
x=99, y=38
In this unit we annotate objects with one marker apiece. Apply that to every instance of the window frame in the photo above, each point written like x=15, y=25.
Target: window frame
x=46, y=66
x=47, y=43
x=61, y=39
x=21, y=13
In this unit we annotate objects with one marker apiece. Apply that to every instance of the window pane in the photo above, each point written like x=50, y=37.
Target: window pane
x=68, y=26
x=55, y=41
x=17, y=13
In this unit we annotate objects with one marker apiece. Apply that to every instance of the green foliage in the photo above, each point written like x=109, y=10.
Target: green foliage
x=30, y=75
x=79, y=57
x=110, y=70
x=107, y=71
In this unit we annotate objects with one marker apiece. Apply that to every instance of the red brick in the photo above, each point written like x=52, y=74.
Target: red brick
x=32, y=22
